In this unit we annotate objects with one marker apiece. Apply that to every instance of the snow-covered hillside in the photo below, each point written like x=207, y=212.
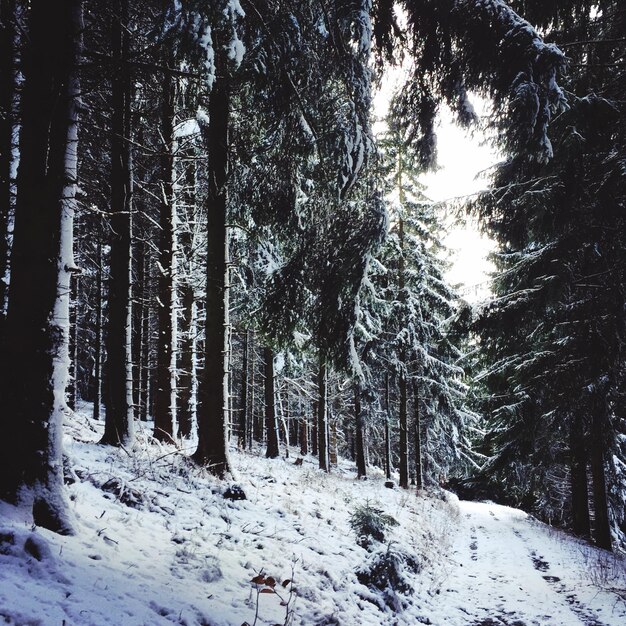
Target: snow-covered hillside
x=158, y=543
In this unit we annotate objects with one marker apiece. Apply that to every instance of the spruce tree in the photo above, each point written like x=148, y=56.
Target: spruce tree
x=556, y=331
x=35, y=340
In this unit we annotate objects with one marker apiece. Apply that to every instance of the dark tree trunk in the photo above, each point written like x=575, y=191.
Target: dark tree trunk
x=72, y=388
x=187, y=361
x=304, y=433
x=283, y=406
x=213, y=415
x=602, y=528
x=403, y=418
x=359, y=434
x=97, y=357
x=146, y=364
x=579, y=484
x=139, y=259
x=419, y=473
x=8, y=65
x=271, y=420
x=388, y=467
x=254, y=427
x=118, y=397
x=34, y=350
x=165, y=401
x=322, y=417
x=145, y=356
x=243, y=399
x=314, y=437
x=404, y=442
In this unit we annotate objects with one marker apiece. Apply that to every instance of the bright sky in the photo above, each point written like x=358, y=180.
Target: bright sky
x=462, y=157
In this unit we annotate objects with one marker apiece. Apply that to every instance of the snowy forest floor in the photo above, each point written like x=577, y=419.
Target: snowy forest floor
x=157, y=543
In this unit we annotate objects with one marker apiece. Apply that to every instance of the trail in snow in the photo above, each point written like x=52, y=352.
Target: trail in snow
x=508, y=569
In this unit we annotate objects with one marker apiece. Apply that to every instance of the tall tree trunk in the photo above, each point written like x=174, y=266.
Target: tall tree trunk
x=213, y=417
x=387, y=429
x=118, y=397
x=72, y=388
x=97, y=358
x=186, y=384
x=322, y=417
x=271, y=420
x=8, y=77
x=314, y=437
x=139, y=311
x=419, y=473
x=187, y=361
x=34, y=355
x=243, y=399
x=304, y=433
x=165, y=397
x=578, y=474
x=283, y=414
x=359, y=434
x=602, y=528
x=145, y=387
x=254, y=429
x=404, y=442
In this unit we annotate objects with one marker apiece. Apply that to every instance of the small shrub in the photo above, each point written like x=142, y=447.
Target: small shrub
x=370, y=525
x=387, y=571
x=284, y=591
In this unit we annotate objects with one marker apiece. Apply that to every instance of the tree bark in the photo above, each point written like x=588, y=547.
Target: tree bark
x=254, y=428
x=213, y=417
x=578, y=476
x=165, y=397
x=139, y=260
x=404, y=443
x=314, y=437
x=34, y=354
x=271, y=419
x=145, y=356
x=322, y=417
x=602, y=528
x=304, y=433
x=419, y=473
x=187, y=361
x=387, y=429
x=72, y=387
x=283, y=412
x=97, y=358
x=243, y=399
x=118, y=397
x=359, y=434
x=8, y=90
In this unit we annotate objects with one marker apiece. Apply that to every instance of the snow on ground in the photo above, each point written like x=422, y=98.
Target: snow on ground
x=157, y=543
x=509, y=569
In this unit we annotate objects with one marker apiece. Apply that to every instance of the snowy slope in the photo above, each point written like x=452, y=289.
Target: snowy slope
x=157, y=543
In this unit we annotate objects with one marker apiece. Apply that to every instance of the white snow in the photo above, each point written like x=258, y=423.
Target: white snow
x=158, y=544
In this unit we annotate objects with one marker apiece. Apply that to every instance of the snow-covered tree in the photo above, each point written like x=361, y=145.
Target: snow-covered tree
x=421, y=304
x=35, y=360
x=556, y=330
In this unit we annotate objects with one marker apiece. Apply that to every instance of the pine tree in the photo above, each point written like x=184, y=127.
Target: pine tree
x=421, y=350
x=118, y=400
x=165, y=400
x=8, y=90
x=34, y=364
x=558, y=379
